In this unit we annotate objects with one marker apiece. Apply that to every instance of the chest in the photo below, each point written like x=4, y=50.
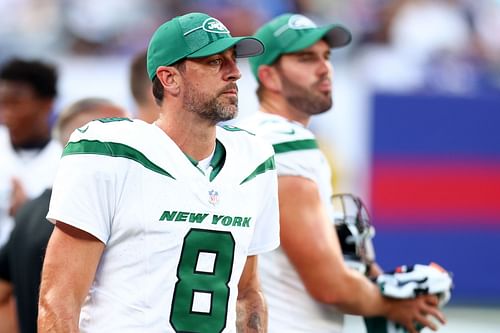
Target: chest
x=164, y=209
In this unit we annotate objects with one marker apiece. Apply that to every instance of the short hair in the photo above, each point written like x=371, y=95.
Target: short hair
x=158, y=91
x=82, y=106
x=140, y=84
x=158, y=86
x=42, y=77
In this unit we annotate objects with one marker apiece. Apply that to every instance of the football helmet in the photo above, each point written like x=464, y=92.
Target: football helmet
x=354, y=230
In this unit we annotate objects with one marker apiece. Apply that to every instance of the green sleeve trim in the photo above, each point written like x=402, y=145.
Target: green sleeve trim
x=265, y=166
x=295, y=145
x=112, y=149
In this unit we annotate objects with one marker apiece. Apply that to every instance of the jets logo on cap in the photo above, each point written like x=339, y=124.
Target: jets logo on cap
x=300, y=22
x=215, y=26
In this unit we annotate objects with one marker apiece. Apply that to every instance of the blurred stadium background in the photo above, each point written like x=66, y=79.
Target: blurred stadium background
x=414, y=128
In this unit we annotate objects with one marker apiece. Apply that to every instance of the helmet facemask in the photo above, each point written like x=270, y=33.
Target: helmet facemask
x=354, y=230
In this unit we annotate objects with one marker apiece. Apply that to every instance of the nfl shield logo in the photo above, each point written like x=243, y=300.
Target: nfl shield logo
x=213, y=197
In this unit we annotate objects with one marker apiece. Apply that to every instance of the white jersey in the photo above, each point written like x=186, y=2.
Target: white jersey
x=291, y=308
x=34, y=168
x=176, y=239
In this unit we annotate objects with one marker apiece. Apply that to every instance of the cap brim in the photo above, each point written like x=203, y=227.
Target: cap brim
x=335, y=35
x=245, y=47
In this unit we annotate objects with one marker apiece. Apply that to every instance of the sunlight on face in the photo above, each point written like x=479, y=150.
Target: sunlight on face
x=203, y=78
x=211, y=106
x=306, y=78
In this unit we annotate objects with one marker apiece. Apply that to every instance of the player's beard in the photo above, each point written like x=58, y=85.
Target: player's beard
x=213, y=107
x=306, y=99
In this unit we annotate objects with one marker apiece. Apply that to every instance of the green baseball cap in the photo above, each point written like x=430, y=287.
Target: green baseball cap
x=290, y=33
x=195, y=35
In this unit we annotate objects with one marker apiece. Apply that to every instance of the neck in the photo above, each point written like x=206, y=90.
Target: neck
x=148, y=113
x=35, y=143
x=276, y=104
x=194, y=136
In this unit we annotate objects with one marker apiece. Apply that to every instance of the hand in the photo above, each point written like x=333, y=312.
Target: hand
x=18, y=196
x=374, y=270
x=420, y=310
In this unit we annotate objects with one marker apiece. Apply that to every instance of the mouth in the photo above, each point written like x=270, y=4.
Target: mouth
x=233, y=92
x=230, y=89
x=324, y=85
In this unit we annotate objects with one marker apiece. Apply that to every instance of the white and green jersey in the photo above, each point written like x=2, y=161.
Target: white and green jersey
x=34, y=168
x=176, y=239
x=291, y=308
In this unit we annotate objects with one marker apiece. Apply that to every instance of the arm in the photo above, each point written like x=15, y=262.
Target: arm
x=8, y=317
x=311, y=244
x=251, y=310
x=69, y=267
x=8, y=311
x=5, y=292
x=374, y=270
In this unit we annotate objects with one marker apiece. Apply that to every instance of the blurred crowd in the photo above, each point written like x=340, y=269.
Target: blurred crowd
x=449, y=46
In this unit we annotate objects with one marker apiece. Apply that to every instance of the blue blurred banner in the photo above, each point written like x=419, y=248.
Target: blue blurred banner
x=435, y=187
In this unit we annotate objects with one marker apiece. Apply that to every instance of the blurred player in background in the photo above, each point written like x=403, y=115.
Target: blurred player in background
x=151, y=231
x=21, y=257
x=307, y=285
x=141, y=88
x=28, y=89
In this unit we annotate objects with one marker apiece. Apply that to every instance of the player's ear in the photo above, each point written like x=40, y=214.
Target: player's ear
x=170, y=78
x=269, y=78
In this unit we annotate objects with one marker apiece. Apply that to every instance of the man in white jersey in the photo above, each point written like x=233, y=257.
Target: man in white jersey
x=158, y=225
x=305, y=281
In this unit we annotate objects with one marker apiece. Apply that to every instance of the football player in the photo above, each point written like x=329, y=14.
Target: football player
x=158, y=226
x=307, y=285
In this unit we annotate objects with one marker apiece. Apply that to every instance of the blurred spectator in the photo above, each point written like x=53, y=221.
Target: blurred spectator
x=33, y=23
x=141, y=88
x=29, y=157
x=424, y=46
x=112, y=26
x=21, y=258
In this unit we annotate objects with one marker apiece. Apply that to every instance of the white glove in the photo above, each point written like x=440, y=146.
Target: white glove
x=411, y=281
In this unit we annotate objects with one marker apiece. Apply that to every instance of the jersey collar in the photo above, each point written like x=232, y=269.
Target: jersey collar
x=217, y=161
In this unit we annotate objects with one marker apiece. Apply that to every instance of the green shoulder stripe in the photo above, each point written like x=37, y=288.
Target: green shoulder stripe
x=295, y=145
x=113, y=119
x=112, y=149
x=265, y=166
x=231, y=128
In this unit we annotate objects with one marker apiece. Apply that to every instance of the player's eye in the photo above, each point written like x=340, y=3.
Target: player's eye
x=215, y=62
x=306, y=57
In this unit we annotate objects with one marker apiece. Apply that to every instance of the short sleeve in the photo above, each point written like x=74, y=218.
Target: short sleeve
x=83, y=194
x=266, y=233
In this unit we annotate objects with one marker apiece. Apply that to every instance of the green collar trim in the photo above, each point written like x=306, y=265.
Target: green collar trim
x=217, y=161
